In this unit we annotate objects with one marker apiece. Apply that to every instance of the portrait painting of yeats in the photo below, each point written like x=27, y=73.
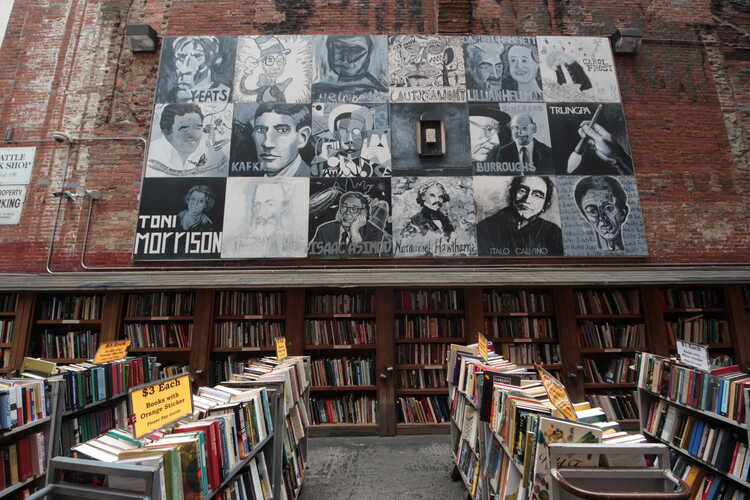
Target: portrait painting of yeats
x=265, y=218
x=190, y=140
x=433, y=216
x=350, y=68
x=601, y=216
x=197, y=69
x=350, y=140
x=273, y=69
x=350, y=218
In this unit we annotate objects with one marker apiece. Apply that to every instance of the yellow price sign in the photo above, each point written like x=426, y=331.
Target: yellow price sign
x=161, y=403
x=483, y=346
x=281, y=348
x=111, y=351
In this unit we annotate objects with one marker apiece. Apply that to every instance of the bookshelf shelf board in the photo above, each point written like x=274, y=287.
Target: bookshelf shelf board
x=6, y=345
x=83, y=409
x=6, y=370
x=423, y=312
x=610, y=350
x=66, y=361
x=20, y=430
x=609, y=316
x=520, y=340
x=599, y=385
x=437, y=428
x=251, y=316
x=435, y=366
x=7, y=314
x=325, y=430
x=422, y=392
x=90, y=322
x=240, y=465
x=15, y=487
x=339, y=316
x=542, y=314
x=158, y=318
x=432, y=340
x=693, y=310
x=245, y=349
x=699, y=411
x=158, y=349
x=337, y=388
x=705, y=464
x=336, y=347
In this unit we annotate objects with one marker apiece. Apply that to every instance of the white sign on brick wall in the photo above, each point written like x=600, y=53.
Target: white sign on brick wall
x=16, y=165
x=11, y=204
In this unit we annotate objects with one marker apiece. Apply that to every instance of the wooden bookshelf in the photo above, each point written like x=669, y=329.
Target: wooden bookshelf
x=9, y=303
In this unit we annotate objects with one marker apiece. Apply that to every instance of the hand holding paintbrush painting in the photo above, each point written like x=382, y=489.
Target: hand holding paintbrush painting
x=604, y=146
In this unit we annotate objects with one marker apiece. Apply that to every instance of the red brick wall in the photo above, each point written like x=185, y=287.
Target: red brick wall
x=64, y=64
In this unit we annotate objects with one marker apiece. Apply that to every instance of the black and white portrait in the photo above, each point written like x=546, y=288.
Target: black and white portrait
x=426, y=68
x=271, y=140
x=577, y=69
x=273, y=69
x=433, y=216
x=196, y=69
x=502, y=69
x=265, y=218
x=350, y=68
x=601, y=216
x=350, y=218
x=510, y=139
x=590, y=139
x=406, y=160
x=518, y=217
x=180, y=219
x=190, y=140
x=351, y=140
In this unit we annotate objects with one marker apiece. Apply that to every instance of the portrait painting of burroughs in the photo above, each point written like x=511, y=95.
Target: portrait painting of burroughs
x=351, y=140
x=350, y=68
x=265, y=218
x=196, y=69
x=433, y=216
x=350, y=218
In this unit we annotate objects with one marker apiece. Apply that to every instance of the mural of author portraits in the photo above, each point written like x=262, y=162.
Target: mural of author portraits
x=388, y=147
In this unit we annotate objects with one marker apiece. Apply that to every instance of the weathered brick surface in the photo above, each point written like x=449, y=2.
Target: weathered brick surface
x=65, y=65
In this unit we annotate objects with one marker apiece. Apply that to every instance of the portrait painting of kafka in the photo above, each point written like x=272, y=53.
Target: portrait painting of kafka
x=518, y=216
x=590, y=139
x=271, y=140
x=350, y=68
x=433, y=217
x=350, y=140
x=196, y=69
x=265, y=218
x=510, y=139
x=577, y=69
x=502, y=69
x=350, y=218
x=190, y=140
x=273, y=69
x=180, y=219
x=426, y=68
x=601, y=216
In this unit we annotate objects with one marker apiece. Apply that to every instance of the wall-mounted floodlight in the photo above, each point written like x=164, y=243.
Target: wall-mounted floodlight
x=626, y=40
x=141, y=37
x=62, y=137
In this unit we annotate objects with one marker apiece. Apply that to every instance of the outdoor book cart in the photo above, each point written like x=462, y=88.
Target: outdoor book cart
x=614, y=481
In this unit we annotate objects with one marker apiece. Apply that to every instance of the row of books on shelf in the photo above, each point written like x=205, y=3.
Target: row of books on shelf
x=720, y=391
x=425, y=300
x=421, y=379
x=521, y=301
x=160, y=304
x=530, y=353
x=348, y=409
x=247, y=333
x=343, y=371
x=8, y=302
x=608, y=371
x=524, y=328
x=724, y=448
x=22, y=402
x=144, y=335
x=328, y=332
x=429, y=354
x=6, y=330
x=705, y=485
x=609, y=302
x=701, y=298
x=23, y=459
x=62, y=307
x=236, y=303
x=615, y=406
x=81, y=428
x=698, y=330
x=608, y=335
x=341, y=303
x=68, y=345
x=423, y=409
x=427, y=327
x=5, y=356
